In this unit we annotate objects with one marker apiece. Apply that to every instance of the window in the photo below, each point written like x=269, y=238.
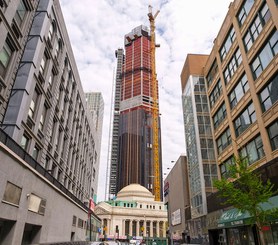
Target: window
x=245, y=119
x=212, y=73
x=216, y=92
x=80, y=223
x=20, y=13
x=24, y=142
x=5, y=57
x=199, y=85
x=265, y=13
x=265, y=56
x=50, y=80
x=228, y=43
x=232, y=66
x=43, y=64
x=253, y=151
x=256, y=26
x=74, y=220
x=33, y=104
x=268, y=96
x=224, y=167
x=36, y=204
x=244, y=11
x=201, y=103
x=3, y=4
x=204, y=125
x=36, y=151
x=42, y=118
x=223, y=140
x=239, y=90
x=58, y=48
x=210, y=173
x=207, y=150
x=51, y=31
x=273, y=135
x=219, y=116
x=12, y=193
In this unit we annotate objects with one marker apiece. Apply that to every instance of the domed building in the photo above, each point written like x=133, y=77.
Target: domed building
x=134, y=214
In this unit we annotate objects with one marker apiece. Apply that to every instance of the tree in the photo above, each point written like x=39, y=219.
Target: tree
x=246, y=191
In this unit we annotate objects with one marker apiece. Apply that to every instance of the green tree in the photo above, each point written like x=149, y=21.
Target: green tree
x=246, y=191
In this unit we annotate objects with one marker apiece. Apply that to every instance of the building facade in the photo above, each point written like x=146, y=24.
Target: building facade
x=48, y=147
x=113, y=168
x=202, y=167
x=241, y=78
x=242, y=81
x=135, y=136
x=134, y=214
x=95, y=104
x=176, y=187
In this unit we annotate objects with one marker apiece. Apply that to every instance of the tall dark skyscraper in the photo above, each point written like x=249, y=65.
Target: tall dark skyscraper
x=132, y=142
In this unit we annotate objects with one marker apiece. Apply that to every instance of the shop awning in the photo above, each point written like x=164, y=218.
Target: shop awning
x=234, y=217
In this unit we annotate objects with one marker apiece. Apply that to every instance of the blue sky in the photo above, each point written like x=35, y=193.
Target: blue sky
x=96, y=29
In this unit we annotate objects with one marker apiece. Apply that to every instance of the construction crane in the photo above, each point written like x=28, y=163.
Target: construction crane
x=155, y=112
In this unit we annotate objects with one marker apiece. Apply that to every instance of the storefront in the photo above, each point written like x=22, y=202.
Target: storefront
x=240, y=229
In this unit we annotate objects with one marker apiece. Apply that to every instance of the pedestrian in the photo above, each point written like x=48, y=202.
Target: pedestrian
x=188, y=239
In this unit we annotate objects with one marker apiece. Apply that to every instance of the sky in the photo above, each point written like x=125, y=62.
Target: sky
x=96, y=29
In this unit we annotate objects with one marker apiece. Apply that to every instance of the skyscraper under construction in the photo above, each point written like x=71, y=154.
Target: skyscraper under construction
x=133, y=152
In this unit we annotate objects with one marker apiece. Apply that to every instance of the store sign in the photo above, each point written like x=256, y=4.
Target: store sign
x=176, y=217
x=236, y=214
x=92, y=205
x=233, y=217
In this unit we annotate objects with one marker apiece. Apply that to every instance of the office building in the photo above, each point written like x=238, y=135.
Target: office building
x=242, y=81
x=48, y=145
x=113, y=168
x=135, y=162
x=241, y=76
x=95, y=105
x=202, y=167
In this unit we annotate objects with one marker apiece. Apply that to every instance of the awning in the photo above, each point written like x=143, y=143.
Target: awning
x=234, y=217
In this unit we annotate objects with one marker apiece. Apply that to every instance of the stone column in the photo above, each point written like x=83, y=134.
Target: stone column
x=151, y=228
x=164, y=229
x=137, y=228
x=145, y=228
x=157, y=229
x=123, y=229
x=130, y=227
x=108, y=227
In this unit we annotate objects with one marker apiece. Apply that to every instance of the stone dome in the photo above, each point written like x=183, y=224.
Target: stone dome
x=135, y=192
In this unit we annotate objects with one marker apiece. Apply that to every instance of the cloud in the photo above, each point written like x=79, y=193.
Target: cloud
x=97, y=28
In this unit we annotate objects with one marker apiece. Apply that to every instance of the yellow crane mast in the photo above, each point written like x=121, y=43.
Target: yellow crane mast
x=155, y=122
